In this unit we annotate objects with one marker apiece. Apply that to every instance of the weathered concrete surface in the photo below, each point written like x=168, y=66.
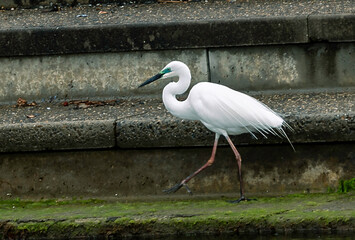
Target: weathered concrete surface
x=112, y=49
x=334, y=28
x=151, y=36
x=315, y=117
x=194, y=25
x=8, y=4
x=94, y=76
x=284, y=66
x=108, y=75
x=135, y=173
x=279, y=218
x=58, y=135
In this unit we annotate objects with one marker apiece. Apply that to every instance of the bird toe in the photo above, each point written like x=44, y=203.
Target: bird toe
x=173, y=189
x=242, y=198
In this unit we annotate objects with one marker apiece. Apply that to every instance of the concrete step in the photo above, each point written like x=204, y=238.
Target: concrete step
x=315, y=117
x=194, y=25
x=105, y=52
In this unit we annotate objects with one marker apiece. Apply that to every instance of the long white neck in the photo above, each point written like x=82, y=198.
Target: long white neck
x=180, y=109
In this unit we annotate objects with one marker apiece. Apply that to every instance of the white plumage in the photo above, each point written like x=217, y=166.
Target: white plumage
x=221, y=109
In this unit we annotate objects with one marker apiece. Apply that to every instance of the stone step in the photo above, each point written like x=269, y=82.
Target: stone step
x=314, y=116
x=105, y=52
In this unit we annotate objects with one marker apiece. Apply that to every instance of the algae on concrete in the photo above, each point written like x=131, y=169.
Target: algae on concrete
x=87, y=218
x=346, y=185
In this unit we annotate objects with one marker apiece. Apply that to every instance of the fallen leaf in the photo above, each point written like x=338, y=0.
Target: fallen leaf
x=23, y=103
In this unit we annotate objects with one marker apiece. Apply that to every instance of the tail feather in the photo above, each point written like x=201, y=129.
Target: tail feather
x=283, y=133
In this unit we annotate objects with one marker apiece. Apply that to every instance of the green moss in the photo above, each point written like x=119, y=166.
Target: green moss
x=122, y=220
x=34, y=227
x=90, y=218
x=18, y=203
x=346, y=185
x=311, y=203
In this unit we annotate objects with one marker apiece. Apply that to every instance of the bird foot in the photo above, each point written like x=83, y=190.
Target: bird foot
x=177, y=187
x=242, y=198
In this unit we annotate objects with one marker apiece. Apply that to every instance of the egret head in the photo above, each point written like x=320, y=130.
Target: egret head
x=170, y=70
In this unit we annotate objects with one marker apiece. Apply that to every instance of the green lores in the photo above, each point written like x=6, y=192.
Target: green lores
x=346, y=185
x=164, y=71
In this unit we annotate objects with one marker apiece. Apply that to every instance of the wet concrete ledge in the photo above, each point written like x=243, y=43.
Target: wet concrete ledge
x=315, y=117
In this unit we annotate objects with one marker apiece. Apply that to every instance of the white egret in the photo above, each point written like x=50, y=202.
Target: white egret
x=221, y=109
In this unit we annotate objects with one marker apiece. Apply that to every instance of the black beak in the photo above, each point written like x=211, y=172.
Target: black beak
x=152, y=79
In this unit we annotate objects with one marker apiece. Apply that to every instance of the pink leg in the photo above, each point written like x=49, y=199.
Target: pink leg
x=239, y=161
x=206, y=165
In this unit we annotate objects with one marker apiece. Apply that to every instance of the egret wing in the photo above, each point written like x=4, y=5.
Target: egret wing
x=232, y=111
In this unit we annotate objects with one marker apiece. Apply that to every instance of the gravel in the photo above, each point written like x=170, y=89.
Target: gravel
x=169, y=12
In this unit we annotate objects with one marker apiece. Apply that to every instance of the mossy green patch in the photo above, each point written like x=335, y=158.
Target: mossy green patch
x=35, y=226
x=346, y=185
x=96, y=217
